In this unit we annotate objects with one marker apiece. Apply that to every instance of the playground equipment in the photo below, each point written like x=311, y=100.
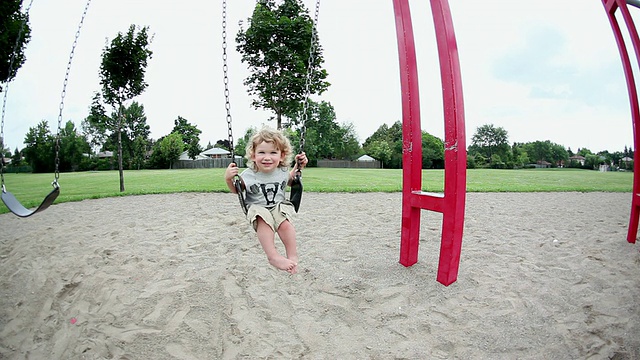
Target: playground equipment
x=10, y=201
x=611, y=6
x=452, y=203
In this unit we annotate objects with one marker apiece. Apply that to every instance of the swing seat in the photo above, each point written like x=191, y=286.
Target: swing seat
x=296, y=192
x=17, y=208
x=240, y=191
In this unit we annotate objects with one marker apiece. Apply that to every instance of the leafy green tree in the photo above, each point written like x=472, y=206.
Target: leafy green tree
x=584, y=152
x=100, y=129
x=558, y=154
x=393, y=136
x=546, y=151
x=324, y=137
x=171, y=147
x=348, y=145
x=73, y=146
x=190, y=136
x=432, y=152
x=39, y=149
x=489, y=140
x=223, y=144
x=592, y=161
x=95, y=126
x=134, y=126
x=517, y=152
x=276, y=48
x=380, y=150
x=539, y=150
x=14, y=30
x=141, y=146
x=122, y=76
x=241, y=143
x=16, y=159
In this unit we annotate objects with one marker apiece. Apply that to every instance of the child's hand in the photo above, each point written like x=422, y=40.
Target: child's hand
x=301, y=160
x=231, y=172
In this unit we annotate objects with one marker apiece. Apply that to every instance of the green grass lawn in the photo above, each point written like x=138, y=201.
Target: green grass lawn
x=30, y=189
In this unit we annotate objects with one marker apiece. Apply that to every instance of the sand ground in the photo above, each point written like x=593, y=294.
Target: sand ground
x=182, y=276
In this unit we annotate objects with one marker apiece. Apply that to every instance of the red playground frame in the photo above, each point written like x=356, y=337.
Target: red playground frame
x=452, y=203
x=610, y=7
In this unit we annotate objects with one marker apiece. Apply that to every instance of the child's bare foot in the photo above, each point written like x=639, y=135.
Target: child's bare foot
x=282, y=263
x=294, y=270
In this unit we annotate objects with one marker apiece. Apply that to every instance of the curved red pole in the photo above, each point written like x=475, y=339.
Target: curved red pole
x=451, y=204
x=610, y=7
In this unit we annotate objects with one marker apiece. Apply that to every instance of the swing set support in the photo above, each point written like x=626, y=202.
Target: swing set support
x=610, y=7
x=452, y=203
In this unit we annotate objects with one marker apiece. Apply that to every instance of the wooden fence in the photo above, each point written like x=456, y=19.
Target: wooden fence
x=206, y=163
x=349, y=164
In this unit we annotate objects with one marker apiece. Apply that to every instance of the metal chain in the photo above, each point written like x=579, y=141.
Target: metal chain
x=305, y=105
x=64, y=92
x=225, y=68
x=312, y=49
x=6, y=90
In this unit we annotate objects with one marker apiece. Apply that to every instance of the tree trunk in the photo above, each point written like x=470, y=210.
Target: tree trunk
x=279, y=118
x=120, y=167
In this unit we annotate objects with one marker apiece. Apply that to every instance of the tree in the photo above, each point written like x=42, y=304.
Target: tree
x=276, y=47
x=122, y=76
x=100, y=129
x=141, y=146
x=380, y=149
x=72, y=148
x=190, y=136
x=16, y=159
x=96, y=125
x=171, y=147
x=348, y=145
x=432, y=152
x=241, y=144
x=39, y=149
x=489, y=140
x=15, y=34
x=539, y=150
x=393, y=136
x=136, y=132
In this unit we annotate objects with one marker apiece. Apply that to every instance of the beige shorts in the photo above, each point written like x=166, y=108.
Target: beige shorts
x=273, y=216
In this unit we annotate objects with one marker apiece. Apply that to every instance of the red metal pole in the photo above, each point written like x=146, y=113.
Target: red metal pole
x=411, y=149
x=610, y=7
x=455, y=153
x=452, y=203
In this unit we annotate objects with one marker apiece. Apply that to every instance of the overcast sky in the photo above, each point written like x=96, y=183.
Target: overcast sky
x=542, y=70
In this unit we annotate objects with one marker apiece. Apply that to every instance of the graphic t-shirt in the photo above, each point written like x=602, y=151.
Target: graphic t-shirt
x=266, y=189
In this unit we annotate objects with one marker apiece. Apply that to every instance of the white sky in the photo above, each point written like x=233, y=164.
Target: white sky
x=542, y=70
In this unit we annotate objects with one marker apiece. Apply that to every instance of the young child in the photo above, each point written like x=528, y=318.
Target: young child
x=265, y=180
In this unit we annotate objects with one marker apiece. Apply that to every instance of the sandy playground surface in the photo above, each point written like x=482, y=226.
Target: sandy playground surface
x=542, y=276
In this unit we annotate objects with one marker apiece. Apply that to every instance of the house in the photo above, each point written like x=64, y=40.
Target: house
x=185, y=156
x=365, y=158
x=216, y=153
x=577, y=158
x=542, y=164
x=104, y=154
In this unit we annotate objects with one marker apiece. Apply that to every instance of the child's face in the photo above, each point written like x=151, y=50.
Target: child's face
x=267, y=157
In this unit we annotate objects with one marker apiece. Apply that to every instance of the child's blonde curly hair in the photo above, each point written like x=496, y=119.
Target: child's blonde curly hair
x=269, y=135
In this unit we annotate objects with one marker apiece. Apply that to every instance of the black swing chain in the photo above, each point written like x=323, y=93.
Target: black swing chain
x=225, y=69
x=61, y=107
x=305, y=104
x=6, y=91
x=64, y=92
